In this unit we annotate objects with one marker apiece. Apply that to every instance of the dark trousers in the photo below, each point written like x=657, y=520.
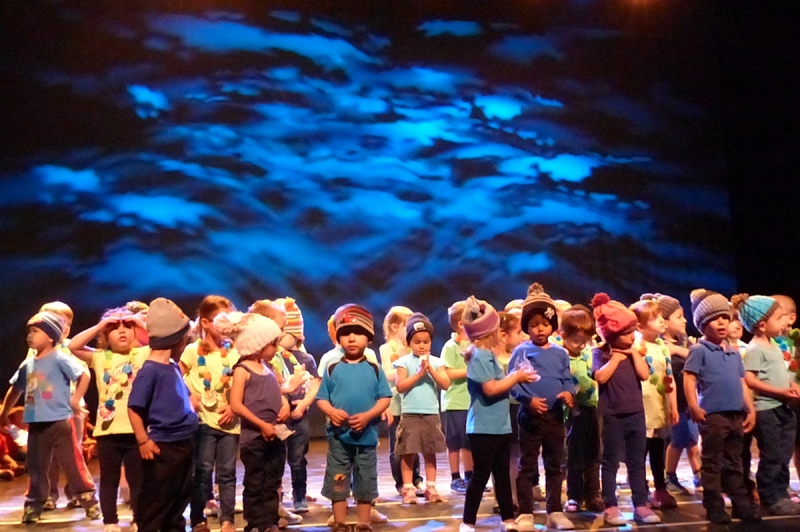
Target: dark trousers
x=624, y=440
x=55, y=470
x=545, y=431
x=214, y=449
x=583, y=454
x=263, y=471
x=296, y=450
x=657, y=448
x=722, y=459
x=114, y=450
x=747, y=458
x=395, y=460
x=775, y=433
x=166, y=487
x=490, y=456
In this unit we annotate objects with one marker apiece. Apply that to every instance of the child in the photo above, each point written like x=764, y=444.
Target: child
x=9, y=468
x=510, y=338
x=725, y=410
x=775, y=391
x=419, y=379
x=541, y=413
x=115, y=363
x=735, y=331
x=394, y=331
x=257, y=398
x=353, y=394
x=658, y=393
x=207, y=367
x=619, y=370
x=300, y=401
x=583, y=436
x=455, y=401
x=45, y=378
x=16, y=435
x=488, y=420
x=164, y=422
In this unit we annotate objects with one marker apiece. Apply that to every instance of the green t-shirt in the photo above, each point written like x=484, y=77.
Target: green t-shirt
x=456, y=397
x=769, y=366
x=581, y=369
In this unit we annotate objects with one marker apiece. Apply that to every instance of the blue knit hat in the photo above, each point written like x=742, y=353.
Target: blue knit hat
x=49, y=322
x=753, y=309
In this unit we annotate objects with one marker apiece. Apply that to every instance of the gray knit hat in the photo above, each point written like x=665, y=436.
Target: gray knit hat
x=666, y=304
x=166, y=324
x=418, y=322
x=708, y=306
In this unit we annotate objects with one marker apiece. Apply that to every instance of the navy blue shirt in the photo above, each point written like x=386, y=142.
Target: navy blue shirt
x=161, y=399
x=622, y=393
x=719, y=374
x=551, y=362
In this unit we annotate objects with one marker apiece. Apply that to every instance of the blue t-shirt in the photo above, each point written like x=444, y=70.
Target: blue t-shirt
x=160, y=396
x=551, y=362
x=422, y=398
x=487, y=415
x=354, y=388
x=719, y=376
x=45, y=383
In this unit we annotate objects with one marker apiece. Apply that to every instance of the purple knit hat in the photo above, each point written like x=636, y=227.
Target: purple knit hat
x=480, y=318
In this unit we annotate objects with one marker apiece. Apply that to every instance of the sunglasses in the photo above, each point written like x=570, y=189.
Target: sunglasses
x=128, y=324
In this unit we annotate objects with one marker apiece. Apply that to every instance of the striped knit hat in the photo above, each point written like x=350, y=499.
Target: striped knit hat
x=538, y=302
x=480, y=318
x=353, y=318
x=708, y=306
x=666, y=304
x=753, y=309
x=294, y=318
x=49, y=322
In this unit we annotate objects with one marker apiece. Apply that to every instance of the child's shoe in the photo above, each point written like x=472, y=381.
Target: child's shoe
x=572, y=506
x=661, y=499
x=409, y=496
x=785, y=507
x=559, y=521
x=211, y=509
x=49, y=505
x=613, y=516
x=363, y=528
x=301, y=506
x=458, y=485
x=339, y=527
x=30, y=515
x=112, y=527
x=376, y=517
x=289, y=517
x=464, y=527
x=431, y=495
x=509, y=526
x=73, y=504
x=595, y=505
x=525, y=523
x=93, y=511
x=717, y=515
x=645, y=516
x=201, y=527
x=227, y=526
x=6, y=474
x=538, y=495
x=674, y=485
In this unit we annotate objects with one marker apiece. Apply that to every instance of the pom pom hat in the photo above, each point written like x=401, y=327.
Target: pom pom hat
x=708, y=306
x=612, y=317
x=251, y=332
x=538, y=302
x=418, y=322
x=480, y=318
x=753, y=309
x=294, y=318
x=353, y=317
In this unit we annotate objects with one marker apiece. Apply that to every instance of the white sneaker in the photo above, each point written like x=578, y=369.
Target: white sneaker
x=376, y=517
x=112, y=527
x=559, y=521
x=464, y=527
x=509, y=526
x=291, y=518
x=525, y=523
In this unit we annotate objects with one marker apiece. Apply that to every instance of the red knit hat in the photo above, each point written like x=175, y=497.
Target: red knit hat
x=613, y=318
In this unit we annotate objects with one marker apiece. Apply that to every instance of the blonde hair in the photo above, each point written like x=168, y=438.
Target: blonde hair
x=454, y=314
x=396, y=316
x=61, y=309
x=645, y=310
x=562, y=306
x=508, y=320
x=268, y=309
x=514, y=304
x=488, y=341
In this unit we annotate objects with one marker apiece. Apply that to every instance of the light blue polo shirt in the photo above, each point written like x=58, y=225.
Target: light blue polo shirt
x=487, y=415
x=422, y=398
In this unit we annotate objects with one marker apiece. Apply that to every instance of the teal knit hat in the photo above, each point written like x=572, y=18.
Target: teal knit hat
x=753, y=309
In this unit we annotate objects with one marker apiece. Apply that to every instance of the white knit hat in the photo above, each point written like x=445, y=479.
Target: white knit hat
x=250, y=332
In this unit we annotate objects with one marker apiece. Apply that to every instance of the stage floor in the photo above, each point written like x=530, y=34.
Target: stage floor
x=423, y=517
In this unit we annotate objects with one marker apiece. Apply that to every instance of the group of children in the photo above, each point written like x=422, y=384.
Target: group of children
x=587, y=388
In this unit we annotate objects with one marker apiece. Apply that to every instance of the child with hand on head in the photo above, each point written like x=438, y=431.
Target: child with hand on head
x=488, y=420
x=724, y=412
x=775, y=394
x=353, y=394
x=164, y=422
x=115, y=362
x=419, y=379
x=619, y=370
x=541, y=414
x=49, y=404
x=257, y=399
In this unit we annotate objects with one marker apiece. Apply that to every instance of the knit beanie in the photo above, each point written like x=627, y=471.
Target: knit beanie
x=480, y=318
x=294, y=318
x=50, y=323
x=612, y=317
x=708, y=306
x=666, y=304
x=753, y=309
x=418, y=322
x=538, y=302
x=251, y=332
x=166, y=324
x=352, y=316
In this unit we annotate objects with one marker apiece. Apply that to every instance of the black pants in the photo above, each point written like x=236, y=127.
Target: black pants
x=166, y=487
x=545, y=431
x=583, y=454
x=490, y=456
x=722, y=459
x=114, y=450
x=775, y=432
x=656, y=448
x=263, y=472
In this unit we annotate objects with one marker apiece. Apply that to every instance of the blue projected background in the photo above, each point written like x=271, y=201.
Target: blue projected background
x=372, y=156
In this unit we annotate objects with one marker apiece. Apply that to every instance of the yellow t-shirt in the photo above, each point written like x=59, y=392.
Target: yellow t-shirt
x=214, y=392
x=654, y=390
x=114, y=374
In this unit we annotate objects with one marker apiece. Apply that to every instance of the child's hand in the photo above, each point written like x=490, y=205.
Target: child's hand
x=284, y=413
x=149, y=450
x=338, y=417
x=619, y=356
x=299, y=409
x=268, y=431
x=388, y=417
x=697, y=414
x=567, y=398
x=539, y=405
x=77, y=409
x=674, y=417
x=749, y=422
x=195, y=400
x=359, y=422
x=297, y=378
x=423, y=366
x=226, y=415
x=791, y=394
x=525, y=375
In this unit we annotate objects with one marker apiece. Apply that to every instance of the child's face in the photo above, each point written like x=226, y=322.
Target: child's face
x=717, y=330
x=656, y=326
x=288, y=341
x=539, y=329
x=353, y=344
x=121, y=335
x=38, y=339
x=208, y=325
x=775, y=325
x=421, y=343
x=676, y=324
x=625, y=340
x=788, y=321
x=576, y=342
x=269, y=350
x=735, y=331
x=513, y=337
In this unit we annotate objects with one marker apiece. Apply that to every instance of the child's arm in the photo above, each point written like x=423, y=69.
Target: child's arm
x=305, y=403
x=12, y=396
x=147, y=447
x=500, y=386
x=603, y=374
x=640, y=366
x=676, y=350
x=81, y=385
x=449, y=357
x=359, y=422
x=690, y=389
x=439, y=376
x=78, y=345
x=763, y=388
x=750, y=421
x=337, y=415
x=293, y=383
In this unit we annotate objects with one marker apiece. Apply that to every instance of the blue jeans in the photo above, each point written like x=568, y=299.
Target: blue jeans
x=775, y=431
x=624, y=439
x=214, y=447
x=296, y=450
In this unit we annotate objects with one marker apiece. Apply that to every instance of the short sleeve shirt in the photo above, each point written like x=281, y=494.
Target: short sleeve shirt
x=303, y=359
x=456, y=397
x=45, y=383
x=389, y=355
x=114, y=374
x=160, y=396
x=769, y=366
x=423, y=397
x=487, y=414
x=622, y=393
x=719, y=372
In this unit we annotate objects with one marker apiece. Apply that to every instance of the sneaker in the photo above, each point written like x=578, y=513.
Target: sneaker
x=718, y=515
x=6, y=474
x=785, y=507
x=509, y=526
x=559, y=521
x=572, y=506
x=614, y=517
x=49, y=505
x=645, y=516
x=238, y=508
x=291, y=518
x=595, y=505
x=747, y=512
x=211, y=509
x=339, y=527
x=376, y=517
x=431, y=495
x=93, y=511
x=30, y=516
x=227, y=526
x=525, y=523
x=112, y=527
x=409, y=496
x=698, y=481
x=301, y=506
x=661, y=499
x=363, y=528
x=538, y=495
x=675, y=487
x=73, y=504
x=464, y=527
x=458, y=485
x=420, y=489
